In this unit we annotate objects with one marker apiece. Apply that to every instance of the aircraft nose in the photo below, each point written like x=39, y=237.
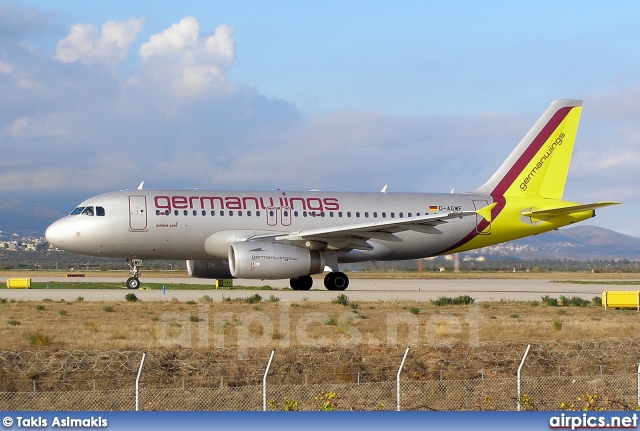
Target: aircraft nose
x=57, y=233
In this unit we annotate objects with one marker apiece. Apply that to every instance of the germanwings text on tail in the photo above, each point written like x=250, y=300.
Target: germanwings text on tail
x=279, y=235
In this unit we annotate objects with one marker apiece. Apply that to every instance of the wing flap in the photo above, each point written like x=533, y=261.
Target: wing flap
x=381, y=229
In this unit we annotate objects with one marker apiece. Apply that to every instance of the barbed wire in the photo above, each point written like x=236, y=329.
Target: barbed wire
x=296, y=365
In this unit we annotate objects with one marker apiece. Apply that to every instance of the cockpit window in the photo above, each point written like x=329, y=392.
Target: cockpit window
x=89, y=211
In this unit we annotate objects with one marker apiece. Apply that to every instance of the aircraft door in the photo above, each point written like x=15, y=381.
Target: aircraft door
x=272, y=217
x=285, y=216
x=137, y=213
x=483, y=227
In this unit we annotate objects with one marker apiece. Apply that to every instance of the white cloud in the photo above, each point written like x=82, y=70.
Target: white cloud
x=191, y=66
x=85, y=44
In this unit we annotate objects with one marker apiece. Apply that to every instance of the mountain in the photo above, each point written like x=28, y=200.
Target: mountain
x=576, y=243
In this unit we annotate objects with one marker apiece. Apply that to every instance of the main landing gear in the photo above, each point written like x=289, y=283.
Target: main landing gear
x=332, y=281
x=134, y=270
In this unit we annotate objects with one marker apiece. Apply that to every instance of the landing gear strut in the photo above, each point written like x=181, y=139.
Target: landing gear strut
x=134, y=270
x=336, y=281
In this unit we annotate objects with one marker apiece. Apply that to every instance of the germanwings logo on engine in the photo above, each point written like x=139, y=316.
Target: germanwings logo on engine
x=170, y=203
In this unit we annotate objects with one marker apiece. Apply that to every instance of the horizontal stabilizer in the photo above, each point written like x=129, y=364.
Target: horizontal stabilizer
x=557, y=212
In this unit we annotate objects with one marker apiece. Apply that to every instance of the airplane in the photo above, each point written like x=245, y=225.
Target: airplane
x=278, y=235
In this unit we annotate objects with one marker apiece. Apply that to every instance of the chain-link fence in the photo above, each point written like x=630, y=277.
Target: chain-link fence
x=609, y=392
x=588, y=374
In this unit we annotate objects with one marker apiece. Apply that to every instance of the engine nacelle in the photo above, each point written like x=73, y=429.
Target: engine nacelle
x=266, y=260
x=217, y=268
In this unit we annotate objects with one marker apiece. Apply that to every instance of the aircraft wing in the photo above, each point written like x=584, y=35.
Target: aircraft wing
x=355, y=236
x=563, y=211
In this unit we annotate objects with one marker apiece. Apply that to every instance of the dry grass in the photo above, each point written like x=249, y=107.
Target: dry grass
x=149, y=325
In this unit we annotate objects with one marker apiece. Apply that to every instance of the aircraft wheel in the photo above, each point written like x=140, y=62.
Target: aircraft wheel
x=301, y=283
x=329, y=281
x=294, y=283
x=340, y=281
x=336, y=281
x=133, y=283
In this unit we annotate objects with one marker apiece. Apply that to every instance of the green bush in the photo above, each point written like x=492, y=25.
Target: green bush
x=341, y=299
x=38, y=339
x=576, y=301
x=551, y=302
x=597, y=300
x=131, y=297
x=458, y=300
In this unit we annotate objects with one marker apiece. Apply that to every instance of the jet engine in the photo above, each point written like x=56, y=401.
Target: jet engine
x=217, y=268
x=266, y=260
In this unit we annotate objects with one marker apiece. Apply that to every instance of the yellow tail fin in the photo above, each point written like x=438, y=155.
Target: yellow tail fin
x=538, y=166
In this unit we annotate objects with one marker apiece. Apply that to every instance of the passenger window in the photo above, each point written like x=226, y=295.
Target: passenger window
x=393, y=215
x=213, y=212
x=375, y=214
x=100, y=211
x=230, y=213
x=258, y=213
x=221, y=213
x=401, y=216
x=249, y=213
x=366, y=215
x=358, y=214
x=239, y=213
x=339, y=213
x=348, y=213
x=204, y=213
x=384, y=215
x=175, y=212
x=186, y=212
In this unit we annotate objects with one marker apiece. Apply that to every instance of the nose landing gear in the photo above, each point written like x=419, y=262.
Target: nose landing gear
x=134, y=270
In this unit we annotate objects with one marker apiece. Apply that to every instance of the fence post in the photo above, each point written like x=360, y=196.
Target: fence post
x=264, y=383
x=638, y=385
x=398, y=378
x=519, y=369
x=138, y=382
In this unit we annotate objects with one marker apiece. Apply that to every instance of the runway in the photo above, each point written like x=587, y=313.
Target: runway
x=359, y=290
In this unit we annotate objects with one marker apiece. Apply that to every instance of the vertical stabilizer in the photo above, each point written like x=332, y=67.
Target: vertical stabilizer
x=538, y=166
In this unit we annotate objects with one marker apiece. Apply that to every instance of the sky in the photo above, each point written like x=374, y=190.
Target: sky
x=425, y=96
